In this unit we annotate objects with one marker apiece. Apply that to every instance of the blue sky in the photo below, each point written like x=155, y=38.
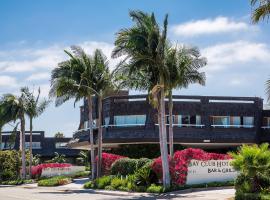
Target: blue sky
x=33, y=35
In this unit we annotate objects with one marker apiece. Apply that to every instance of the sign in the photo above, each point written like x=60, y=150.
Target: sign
x=58, y=171
x=210, y=171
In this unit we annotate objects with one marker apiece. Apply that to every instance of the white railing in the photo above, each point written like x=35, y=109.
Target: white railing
x=122, y=125
x=232, y=126
x=265, y=127
x=109, y=125
x=185, y=125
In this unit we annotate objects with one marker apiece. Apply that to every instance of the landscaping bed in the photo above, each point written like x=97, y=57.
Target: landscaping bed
x=54, y=181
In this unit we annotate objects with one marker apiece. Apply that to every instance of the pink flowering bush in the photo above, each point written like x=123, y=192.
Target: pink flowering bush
x=37, y=170
x=178, y=165
x=107, y=160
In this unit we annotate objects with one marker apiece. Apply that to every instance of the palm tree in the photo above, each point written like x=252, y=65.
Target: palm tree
x=183, y=64
x=82, y=76
x=12, y=108
x=143, y=46
x=35, y=108
x=261, y=10
x=102, y=85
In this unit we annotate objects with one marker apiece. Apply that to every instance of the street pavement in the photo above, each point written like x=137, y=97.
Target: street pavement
x=75, y=191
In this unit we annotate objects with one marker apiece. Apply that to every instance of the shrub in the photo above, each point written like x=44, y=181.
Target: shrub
x=16, y=182
x=142, y=161
x=88, y=185
x=253, y=164
x=102, y=182
x=155, y=189
x=82, y=174
x=178, y=165
x=124, y=166
x=117, y=182
x=10, y=163
x=108, y=187
x=145, y=175
x=54, y=181
x=107, y=160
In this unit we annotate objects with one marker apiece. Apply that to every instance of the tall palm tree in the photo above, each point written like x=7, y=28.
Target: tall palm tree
x=143, y=46
x=102, y=86
x=35, y=108
x=183, y=64
x=261, y=10
x=12, y=108
x=82, y=76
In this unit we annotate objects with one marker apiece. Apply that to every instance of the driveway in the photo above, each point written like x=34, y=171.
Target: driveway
x=74, y=191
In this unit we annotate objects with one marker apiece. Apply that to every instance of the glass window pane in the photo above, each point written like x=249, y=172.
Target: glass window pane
x=141, y=119
x=248, y=121
x=129, y=119
x=107, y=121
x=185, y=119
x=221, y=120
x=235, y=120
x=193, y=119
x=198, y=120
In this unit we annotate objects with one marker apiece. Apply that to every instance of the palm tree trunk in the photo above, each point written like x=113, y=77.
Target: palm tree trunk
x=0, y=138
x=21, y=140
x=90, y=121
x=23, y=147
x=164, y=149
x=30, y=147
x=99, y=136
x=171, y=123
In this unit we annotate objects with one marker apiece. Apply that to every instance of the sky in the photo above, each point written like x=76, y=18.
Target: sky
x=33, y=35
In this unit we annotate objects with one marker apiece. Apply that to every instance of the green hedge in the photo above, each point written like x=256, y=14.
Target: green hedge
x=124, y=166
x=54, y=181
x=10, y=162
x=16, y=182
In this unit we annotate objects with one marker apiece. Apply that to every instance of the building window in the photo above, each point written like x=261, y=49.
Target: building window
x=248, y=122
x=232, y=121
x=189, y=120
x=235, y=121
x=86, y=124
x=107, y=121
x=198, y=120
x=129, y=120
x=61, y=145
x=35, y=145
x=220, y=121
x=266, y=122
x=168, y=119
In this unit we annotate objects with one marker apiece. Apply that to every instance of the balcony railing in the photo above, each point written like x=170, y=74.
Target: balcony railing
x=231, y=126
x=186, y=125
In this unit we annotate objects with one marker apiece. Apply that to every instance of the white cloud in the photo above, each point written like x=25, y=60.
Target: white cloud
x=7, y=81
x=39, y=76
x=209, y=26
x=237, y=53
x=29, y=60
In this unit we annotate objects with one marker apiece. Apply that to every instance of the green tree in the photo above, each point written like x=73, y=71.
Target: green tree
x=143, y=46
x=83, y=158
x=59, y=135
x=83, y=76
x=59, y=158
x=12, y=108
x=183, y=64
x=261, y=10
x=35, y=107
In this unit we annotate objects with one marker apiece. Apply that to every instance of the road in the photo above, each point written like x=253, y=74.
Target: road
x=31, y=192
